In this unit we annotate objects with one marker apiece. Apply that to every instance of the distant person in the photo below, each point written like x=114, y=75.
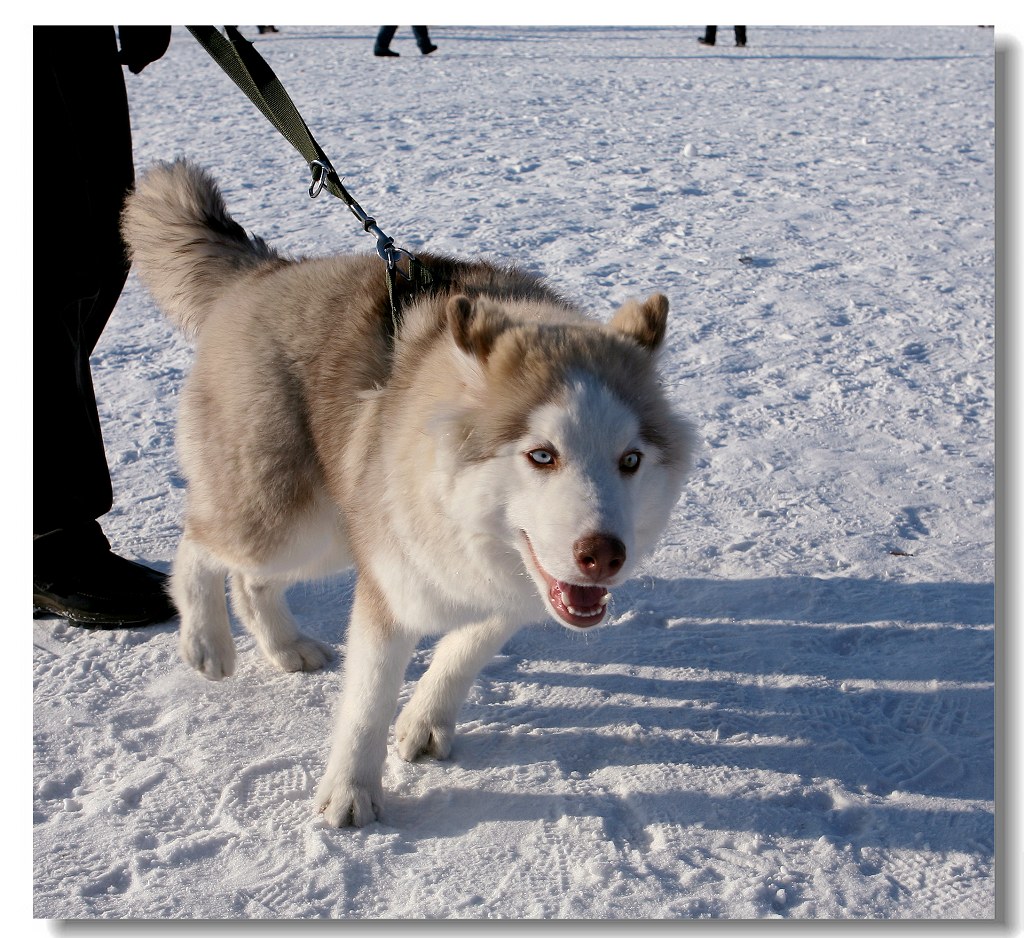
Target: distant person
x=708, y=39
x=81, y=108
x=263, y=30
x=382, y=47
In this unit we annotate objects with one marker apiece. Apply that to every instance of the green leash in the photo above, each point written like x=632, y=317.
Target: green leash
x=250, y=71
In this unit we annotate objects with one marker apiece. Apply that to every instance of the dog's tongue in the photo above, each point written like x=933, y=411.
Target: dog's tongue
x=579, y=605
x=581, y=597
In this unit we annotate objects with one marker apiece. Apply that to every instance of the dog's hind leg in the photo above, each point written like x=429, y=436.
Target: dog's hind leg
x=426, y=726
x=197, y=588
x=260, y=605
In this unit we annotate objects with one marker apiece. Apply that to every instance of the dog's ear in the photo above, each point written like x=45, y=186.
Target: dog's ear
x=645, y=322
x=475, y=325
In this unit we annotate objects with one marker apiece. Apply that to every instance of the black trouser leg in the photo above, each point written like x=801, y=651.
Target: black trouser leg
x=81, y=128
x=422, y=37
x=384, y=37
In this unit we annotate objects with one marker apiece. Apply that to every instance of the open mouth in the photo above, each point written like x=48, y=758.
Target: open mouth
x=576, y=605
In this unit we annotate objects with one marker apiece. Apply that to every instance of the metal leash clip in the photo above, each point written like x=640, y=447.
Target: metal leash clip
x=319, y=169
x=393, y=255
x=386, y=248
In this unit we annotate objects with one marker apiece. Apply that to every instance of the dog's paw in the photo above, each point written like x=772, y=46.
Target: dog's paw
x=302, y=654
x=347, y=804
x=418, y=737
x=213, y=659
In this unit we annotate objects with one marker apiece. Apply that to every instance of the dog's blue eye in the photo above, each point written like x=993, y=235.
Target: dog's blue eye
x=541, y=457
x=630, y=462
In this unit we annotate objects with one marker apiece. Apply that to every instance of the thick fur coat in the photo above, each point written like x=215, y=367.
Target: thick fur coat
x=499, y=459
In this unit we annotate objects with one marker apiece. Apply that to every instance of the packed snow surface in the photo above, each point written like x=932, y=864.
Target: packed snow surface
x=791, y=714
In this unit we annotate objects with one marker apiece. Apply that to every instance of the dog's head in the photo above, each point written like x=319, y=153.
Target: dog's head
x=574, y=440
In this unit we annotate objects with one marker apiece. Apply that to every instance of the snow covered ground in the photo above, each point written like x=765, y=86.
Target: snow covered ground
x=792, y=714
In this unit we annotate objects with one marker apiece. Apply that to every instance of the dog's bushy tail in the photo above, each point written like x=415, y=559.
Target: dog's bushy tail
x=184, y=244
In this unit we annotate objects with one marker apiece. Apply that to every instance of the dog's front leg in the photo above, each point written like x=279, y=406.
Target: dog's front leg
x=376, y=655
x=427, y=724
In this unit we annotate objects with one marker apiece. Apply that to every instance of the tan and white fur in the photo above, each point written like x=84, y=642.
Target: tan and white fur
x=502, y=459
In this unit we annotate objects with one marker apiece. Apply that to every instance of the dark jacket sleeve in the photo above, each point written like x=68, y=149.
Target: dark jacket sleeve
x=141, y=45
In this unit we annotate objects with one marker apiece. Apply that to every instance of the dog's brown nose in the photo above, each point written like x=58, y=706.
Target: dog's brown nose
x=599, y=556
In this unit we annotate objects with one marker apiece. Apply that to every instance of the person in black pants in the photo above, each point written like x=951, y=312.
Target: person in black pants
x=83, y=148
x=382, y=47
x=710, y=32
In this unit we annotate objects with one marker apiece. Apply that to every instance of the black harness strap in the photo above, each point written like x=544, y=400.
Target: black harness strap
x=250, y=71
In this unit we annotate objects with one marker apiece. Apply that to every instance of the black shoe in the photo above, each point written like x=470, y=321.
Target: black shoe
x=426, y=50
x=741, y=44
x=705, y=42
x=384, y=53
x=76, y=576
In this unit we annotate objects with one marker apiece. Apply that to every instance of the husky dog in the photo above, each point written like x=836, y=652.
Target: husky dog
x=495, y=458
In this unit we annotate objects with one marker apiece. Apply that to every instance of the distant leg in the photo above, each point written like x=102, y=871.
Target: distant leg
x=376, y=655
x=427, y=724
x=197, y=587
x=261, y=607
x=423, y=40
x=382, y=46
